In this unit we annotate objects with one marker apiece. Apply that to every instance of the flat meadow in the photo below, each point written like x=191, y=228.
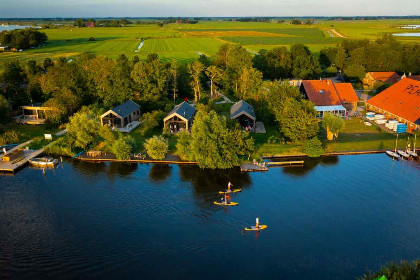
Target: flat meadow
x=185, y=42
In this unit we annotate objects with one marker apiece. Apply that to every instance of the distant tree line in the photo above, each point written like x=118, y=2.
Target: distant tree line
x=180, y=20
x=22, y=38
x=102, y=23
x=356, y=57
x=253, y=19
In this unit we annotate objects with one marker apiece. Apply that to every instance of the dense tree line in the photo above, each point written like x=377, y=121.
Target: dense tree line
x=22, y=38
x=280, y=63
x=356, y=57
x=102, y=23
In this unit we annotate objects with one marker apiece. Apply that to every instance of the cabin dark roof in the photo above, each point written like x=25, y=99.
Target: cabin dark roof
x=240, y=108
x=184, y=110
x=126, y=108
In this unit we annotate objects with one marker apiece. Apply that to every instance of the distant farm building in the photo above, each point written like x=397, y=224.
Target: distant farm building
x=401, y=102
x=336, y=98
x=180, y=118
x=4, y=48
x=89, y=24
x=373, y=78
x=124, y=117
x=243, y=113
x=34, y=114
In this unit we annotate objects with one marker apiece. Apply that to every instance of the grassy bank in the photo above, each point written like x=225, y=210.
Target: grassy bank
x=356, y=137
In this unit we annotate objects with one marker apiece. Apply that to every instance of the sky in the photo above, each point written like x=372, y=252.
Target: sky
x=205, y=8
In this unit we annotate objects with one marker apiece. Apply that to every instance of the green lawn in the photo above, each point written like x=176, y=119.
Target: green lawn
x=27, y=132
x=357, y=136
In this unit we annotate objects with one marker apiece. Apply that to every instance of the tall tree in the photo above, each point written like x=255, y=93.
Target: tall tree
x=151, y=79
x=215, y=74
x=196, y=69
x=250, y=81
x=212, y=144
x=297, y=120
x=174, y=78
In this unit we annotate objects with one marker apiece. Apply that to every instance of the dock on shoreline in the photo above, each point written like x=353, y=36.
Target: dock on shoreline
x=108, y=157
x=13, y=166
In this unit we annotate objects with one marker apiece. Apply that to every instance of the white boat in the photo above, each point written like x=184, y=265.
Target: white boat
x=412, y=154
x=392, y=154
x=403, y=154
x=44, y=162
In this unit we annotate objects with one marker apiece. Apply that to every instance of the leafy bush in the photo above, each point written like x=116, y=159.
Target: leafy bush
x=183, y=146
x=123, y=147
x=38, y=142
x=4, y=109
x=150, y=121
x=156, y=147
x=404, y=270
x=60, y=147
x=333, y=124
x=273, y=140
x=9, y=137
x=313, y=147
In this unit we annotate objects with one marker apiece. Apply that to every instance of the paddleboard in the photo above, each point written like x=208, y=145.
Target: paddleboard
x=231, y=191
x=253, y=228
x=226, y=204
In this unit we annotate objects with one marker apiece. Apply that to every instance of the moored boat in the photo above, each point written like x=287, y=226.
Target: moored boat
x=412, y=154
x=44, y=162
x=403, y=154
x=393, y=155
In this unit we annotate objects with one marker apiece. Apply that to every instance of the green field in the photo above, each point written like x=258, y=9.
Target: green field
x=185, y=42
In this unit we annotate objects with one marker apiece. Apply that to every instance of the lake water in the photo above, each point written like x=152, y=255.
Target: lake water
x=407, y=34
x=332, y=219
x=12, y=27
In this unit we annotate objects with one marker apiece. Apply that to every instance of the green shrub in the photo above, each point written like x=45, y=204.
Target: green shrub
x=150, y=121
x=273, y=140
x=313, y=147
x=60, y=147
x=404, y=270
x=183, y=145
x=123, y=147
x=4, y=109
x=9, y=137
x=156, y=147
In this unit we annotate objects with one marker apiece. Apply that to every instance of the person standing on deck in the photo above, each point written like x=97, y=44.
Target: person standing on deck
x=257, y=222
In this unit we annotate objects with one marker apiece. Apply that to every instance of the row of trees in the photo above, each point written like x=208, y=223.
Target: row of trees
x=22, y=38
x=356, y=57
x=103, y=23
x=280, y=63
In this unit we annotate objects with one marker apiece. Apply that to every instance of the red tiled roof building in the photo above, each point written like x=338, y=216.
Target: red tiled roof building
x=401, y=101
x=330, y=97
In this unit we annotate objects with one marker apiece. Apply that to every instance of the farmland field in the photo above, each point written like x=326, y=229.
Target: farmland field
x=185, y=42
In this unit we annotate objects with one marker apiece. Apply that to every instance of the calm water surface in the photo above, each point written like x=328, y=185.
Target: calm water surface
x=12, y=27
x=333, y=219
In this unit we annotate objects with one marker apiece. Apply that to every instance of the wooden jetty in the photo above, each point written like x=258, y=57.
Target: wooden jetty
x=285, y=163
x=13, y=166
x=251, y=167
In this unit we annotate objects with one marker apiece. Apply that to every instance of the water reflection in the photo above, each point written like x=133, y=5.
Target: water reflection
x=117, y=169
x=160, y=172
x=212, y=181
x=309, y=165
x=113, y=169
